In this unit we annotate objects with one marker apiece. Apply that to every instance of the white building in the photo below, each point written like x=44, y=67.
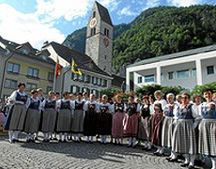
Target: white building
x=186, y=69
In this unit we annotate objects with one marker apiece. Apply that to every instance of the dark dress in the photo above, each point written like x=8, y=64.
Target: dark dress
x=90, y=121
x=104, y=121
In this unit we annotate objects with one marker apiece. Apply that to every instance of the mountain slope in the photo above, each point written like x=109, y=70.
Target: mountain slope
x=158, y=31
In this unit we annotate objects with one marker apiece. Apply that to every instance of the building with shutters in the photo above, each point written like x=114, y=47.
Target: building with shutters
x=23, y=63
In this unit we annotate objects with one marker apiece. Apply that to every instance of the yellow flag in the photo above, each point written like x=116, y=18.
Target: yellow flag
x=75, y=69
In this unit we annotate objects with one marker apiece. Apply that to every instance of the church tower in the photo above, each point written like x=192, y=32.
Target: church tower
x=99, y=38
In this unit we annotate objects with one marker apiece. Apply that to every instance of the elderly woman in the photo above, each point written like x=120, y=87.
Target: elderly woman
x=184, y=137
x=167, y=127
x=207, y=127
x=157, y=119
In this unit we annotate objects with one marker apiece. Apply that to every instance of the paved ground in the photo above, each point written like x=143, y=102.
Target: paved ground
x=75, y=155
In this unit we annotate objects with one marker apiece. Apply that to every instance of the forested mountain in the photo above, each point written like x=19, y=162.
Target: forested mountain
x=158, y=31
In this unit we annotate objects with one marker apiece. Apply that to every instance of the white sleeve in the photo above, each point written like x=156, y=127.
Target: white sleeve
x=163, y=104
x=175, y=111
x=43, y=104
x=12, y=96
x=194, y=112
x=72, y=105
x=28, y=102
x=125, y=107
x=86, y=106
x=138, y=108
x=58, y=104
x=152, y=109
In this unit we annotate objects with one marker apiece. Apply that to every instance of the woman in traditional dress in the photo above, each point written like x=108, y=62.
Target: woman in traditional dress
x=131, y=121
x=49, y=116
x=64, y=120
x=207, y=127
x=91, y=108
x=144, y=132
x=78, y=118
x=33, y=116
x=168, y=126
x=157, y=120
x=184, y=137
x=119, y=109
x=16, y=118
x=104, y=122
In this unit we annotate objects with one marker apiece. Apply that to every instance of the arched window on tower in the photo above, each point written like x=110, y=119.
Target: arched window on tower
x=94, y=14
x=93, y=31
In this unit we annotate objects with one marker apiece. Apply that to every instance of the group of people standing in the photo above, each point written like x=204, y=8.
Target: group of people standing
x=186, y=127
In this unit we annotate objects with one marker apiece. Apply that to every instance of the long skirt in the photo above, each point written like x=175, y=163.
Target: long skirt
x=131, y=125
x=64, y=120
x=157, y=121
x=78, y=121
x=17, y=119
x=8, y=119
x=167, y=132
x=104, y=124
x=48, y=120
x=207, y=138
x=90, y=123
x=32, y=121
x=144, y=130
x=184, y=137
x=117, y=125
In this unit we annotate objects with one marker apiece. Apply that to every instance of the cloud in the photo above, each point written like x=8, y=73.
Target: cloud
x=184, y=2
x=20, y=27
x=127, y=12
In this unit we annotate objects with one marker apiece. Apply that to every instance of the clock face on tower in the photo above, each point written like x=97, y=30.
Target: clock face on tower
x=106, y=42
x=93, y=23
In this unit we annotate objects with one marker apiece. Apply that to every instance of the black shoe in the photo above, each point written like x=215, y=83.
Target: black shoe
x=184, y=165
x=36, y=138
x=148, y=149
x=168, y=158
x=160, y=154
x=173, y=160
x=190, y=167
x=144, y=148
x=129, y=146
x=155, y=153
x=60, y=141
x=16, y=140
x=55, y=139
x=65, y=141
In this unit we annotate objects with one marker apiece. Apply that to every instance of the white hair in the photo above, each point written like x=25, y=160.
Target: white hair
x=170, y=95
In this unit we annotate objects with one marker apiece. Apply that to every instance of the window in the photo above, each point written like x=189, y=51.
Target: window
x=75, y=89
x=33, y=72
x=93, y=31
x=210, y=70
x=149, y=78
x=75, y=76
x=87, y=78
x=12, y=67
x=31, y=86
x=139, y=80
x=170, y=75
x=50, y=76
x=104, y=83
x=94, y=14
x=161, y=76
x=93, y=79
x=81, y=77
x=11, y=84
x=105, y=56
x=106, y=32
x=49, y=88
x=194, y=72
x=104, y=68
x=183, y=73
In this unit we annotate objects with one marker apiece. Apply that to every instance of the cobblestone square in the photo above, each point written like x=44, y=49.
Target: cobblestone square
x=74, y=155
